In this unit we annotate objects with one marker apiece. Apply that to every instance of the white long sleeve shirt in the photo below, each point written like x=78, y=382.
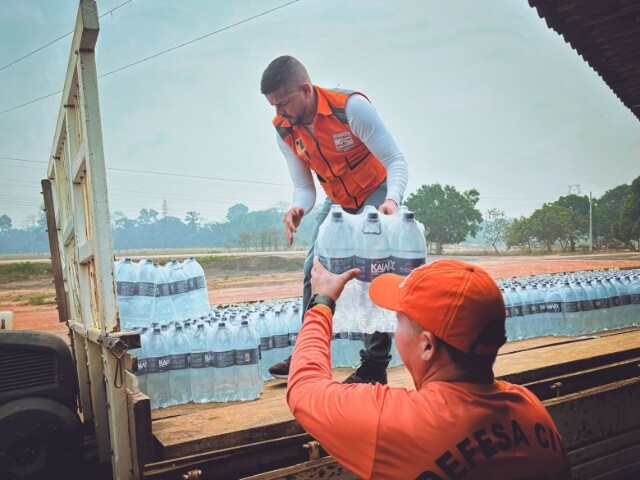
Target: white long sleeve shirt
x=366, y=124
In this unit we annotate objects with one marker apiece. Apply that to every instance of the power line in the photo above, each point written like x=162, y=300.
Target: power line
x=168, y=174
x=57, y=39
x=119, y=69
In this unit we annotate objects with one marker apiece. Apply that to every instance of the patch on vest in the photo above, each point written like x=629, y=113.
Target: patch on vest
x=343, y=141
x=299, y=146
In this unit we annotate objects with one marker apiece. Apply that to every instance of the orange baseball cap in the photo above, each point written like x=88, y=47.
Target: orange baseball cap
x=458, y=302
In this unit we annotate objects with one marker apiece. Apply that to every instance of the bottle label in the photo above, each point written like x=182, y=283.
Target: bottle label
x=614, y=301
x=179, y=361
x=224, y=359
x=249, y=356
x=356, y=336
x=517, y=311
x=371, y=268
x=404, y=266
x=625, y=300
x=200, y=282
x=586, y=305
x=142, y=367
x=158, y=364
x=198, y=359
x=181, y=286
x=266, y=343
x=635, y=298
x=126, y=289
x=292, y=338
x=606, y=303
x=337, y=265
x=342, y=336
x=208, y=359
x=554, y=307
x=146, y=289
x=530, y=309
x=281, y=341
x=570, y=307
x=541, y=307
x=507, y=312
x=598, y=304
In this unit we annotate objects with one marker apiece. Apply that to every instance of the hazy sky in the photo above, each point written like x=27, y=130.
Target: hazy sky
x=477, y=94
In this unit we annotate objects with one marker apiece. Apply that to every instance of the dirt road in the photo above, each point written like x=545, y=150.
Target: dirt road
x=233, y=285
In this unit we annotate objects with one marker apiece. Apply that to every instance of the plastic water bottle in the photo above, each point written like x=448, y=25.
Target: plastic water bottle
x=126, y=277
x=601, y=304
x=634, y=298
x=335, y=249
x=625, y=301
x=179, y=286
x=145, y=300
x=263, y=326
x=570, y=307
x=164, y=309
x=408, y=246
x=579, y=325
x=201, y=367
x=280, y=334
x=141, y=355
x=180, y=377
x=555, y=314
x=225, y=382
x=247, y=363
x=517, y=313
x=198, y=293
x=158, y=371
x=293, y=325
x=372, y=258
x=615, y=321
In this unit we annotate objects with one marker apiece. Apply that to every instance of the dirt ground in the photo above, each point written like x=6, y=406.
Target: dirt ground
x=246, y=279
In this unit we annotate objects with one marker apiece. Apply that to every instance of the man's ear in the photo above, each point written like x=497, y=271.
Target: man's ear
x=306, y=88
x=429, y=345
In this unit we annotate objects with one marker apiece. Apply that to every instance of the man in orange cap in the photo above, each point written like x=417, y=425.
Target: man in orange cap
x=459, y=422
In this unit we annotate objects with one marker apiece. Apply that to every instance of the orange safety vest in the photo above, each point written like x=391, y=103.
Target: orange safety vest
x=346, y=169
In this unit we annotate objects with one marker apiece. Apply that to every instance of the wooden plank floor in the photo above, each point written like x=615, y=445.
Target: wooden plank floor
x=190, y=429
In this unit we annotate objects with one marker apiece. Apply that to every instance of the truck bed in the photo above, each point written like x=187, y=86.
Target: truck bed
x=551, y=366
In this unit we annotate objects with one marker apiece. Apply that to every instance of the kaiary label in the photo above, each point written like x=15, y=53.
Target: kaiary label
x=281, y=341
x=372, y=268
x=126, y=289
x=198, y=360
x=337, y=265
x=179, y=361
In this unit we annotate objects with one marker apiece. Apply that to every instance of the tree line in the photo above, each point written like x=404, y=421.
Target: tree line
x=449, y=217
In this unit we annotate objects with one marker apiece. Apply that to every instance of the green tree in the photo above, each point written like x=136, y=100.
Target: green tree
x=448, y=214
x=628, y=227
x=236, y=212
x=607, y=210
x=495, y=228
x=519, y=234
x=579, y=219
x=5, y=223
x=147, y=216
x=550, y=224
x=192, y=219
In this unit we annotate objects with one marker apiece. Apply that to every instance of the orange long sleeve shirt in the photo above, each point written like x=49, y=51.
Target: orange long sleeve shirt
x=442, y=431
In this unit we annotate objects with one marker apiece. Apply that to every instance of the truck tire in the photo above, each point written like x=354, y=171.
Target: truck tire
x=40, y=438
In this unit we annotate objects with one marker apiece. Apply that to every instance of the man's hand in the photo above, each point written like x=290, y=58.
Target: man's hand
x=291, y=221
x=389, y=207
x=323, y=282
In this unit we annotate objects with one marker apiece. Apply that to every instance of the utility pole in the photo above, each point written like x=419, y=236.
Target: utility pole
x=590, y=225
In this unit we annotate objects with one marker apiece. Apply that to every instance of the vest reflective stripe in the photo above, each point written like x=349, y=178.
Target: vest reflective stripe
x=348, y=172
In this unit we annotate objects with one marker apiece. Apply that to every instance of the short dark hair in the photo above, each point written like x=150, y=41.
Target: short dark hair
x=283, y=72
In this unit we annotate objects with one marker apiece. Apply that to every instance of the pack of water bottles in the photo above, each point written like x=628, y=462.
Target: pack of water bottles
x=376, y=244
x=148, y=292
x=219, y=357
x=573, y=304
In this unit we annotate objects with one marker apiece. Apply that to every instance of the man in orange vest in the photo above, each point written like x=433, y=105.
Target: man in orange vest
x=459, y=422
x=338, y=135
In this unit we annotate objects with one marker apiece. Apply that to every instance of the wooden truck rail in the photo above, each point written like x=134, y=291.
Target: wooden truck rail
x=590, y=384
